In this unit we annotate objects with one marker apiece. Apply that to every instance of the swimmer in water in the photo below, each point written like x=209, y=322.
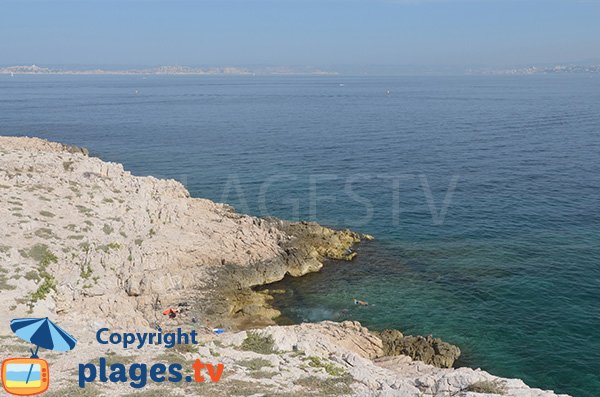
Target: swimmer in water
x=359, y=302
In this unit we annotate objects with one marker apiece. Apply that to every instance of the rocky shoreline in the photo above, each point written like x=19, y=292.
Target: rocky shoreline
x=91, y=245
x=305, y=250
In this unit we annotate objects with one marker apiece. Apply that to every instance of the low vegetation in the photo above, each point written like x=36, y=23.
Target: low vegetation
x=44, y=233
x=47, y=282
x=330, y=368
x=33, y=275
x=258, y=343
x=88, y=391
x=262, y=374
x=4, y=285
x=109, y=247
x=487, y=387
x=84, y=210
x=185, y=348
x=114, y=358
x=255, y=364
x=327, y=387
x=107, y=229
x=86, y=272
x=156, y=392
x=68, y=165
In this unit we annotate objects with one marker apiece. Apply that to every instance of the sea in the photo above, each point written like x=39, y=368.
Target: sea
x=482, y=193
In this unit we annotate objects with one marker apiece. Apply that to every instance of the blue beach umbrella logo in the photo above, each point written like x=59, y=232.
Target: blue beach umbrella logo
x=43, y=333
x=30, y=376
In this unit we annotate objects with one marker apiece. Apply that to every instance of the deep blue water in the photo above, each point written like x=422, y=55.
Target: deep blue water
x=511, y=273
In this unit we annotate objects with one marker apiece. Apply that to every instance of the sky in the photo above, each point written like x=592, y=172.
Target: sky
x=324, y=33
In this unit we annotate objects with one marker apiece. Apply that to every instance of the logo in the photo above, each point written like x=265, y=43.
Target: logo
x=25, y=376
x=31, y=376
x=137, y=375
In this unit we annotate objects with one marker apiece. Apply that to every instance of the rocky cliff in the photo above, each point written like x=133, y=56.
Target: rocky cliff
x=87, y=243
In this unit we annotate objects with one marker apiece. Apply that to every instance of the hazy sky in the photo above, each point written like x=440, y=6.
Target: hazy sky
x=321, y=33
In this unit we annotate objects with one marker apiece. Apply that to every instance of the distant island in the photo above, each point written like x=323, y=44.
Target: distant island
x=171, y=70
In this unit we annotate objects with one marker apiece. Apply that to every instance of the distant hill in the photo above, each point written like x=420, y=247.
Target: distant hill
x=557, y=69
x=169, y=70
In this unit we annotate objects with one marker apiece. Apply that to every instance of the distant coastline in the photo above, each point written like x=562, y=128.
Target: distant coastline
x=531, y=70
x=171, y=70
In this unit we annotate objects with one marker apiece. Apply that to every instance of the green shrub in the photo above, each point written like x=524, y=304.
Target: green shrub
x=84, y=210
x=44, y=233
x=108, y=247
x=49, y=284
x=68, y=165
x=330, y=368
x=86, y=272
x=255, y=364
x=39, y=253
x=33, y=276
x=327, y=387
x=4, y=285
x=45, y=258
x=262, y=374
x=185, y=348
x=258, y=344
x=107, y=229
x=85, y=246
x=488, y=387
x=157, y=392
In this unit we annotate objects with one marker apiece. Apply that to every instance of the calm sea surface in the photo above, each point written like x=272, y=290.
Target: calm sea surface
x=482, y=192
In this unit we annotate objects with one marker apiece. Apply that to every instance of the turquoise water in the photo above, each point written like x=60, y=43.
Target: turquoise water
x=482, y=193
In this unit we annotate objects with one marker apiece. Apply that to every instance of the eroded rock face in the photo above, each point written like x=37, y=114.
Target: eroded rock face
x=427, y=349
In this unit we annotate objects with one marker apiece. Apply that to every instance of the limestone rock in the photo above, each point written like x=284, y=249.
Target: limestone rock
x=427, y=349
